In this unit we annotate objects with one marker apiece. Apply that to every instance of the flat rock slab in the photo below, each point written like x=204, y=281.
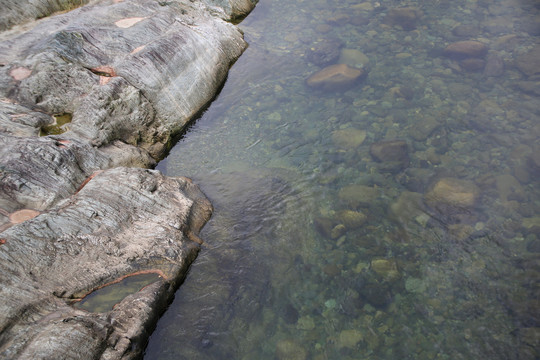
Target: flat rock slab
x=123, y=221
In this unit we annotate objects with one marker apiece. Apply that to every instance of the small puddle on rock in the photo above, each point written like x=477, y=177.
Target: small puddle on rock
x=104, y=299
x=58, y=127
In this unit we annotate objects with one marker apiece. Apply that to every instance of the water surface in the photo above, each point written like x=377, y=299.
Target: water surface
x=318, y=249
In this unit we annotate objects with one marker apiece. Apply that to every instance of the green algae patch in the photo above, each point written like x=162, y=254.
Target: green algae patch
x=105, y=298
x=58, y=127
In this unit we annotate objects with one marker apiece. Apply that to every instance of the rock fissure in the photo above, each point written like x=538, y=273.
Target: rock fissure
x=80, y=210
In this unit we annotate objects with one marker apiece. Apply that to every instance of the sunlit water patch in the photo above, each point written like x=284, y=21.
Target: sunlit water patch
x=393, y=218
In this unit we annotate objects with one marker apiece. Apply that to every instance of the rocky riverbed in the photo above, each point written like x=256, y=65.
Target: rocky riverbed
x=91, y=95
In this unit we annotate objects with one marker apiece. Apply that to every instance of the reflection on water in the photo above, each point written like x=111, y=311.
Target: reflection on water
x=397, y=218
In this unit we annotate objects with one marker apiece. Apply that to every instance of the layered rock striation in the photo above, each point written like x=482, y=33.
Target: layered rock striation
x=89, y=98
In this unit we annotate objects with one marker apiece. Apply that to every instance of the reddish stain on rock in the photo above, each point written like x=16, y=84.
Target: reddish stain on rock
x=2, y=241
x=22, y=215
x=20, y=73
x=128, y=22
x=62, y=143
x=104, y=70
x=103, y=80
x=137, y=49
x=88, y=180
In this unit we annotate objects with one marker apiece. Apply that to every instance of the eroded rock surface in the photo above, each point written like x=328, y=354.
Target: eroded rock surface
x=133, y=71
x=76, y=210
x=123, y=221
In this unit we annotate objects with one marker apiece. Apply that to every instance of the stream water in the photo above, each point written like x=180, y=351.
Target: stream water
x=396, y=219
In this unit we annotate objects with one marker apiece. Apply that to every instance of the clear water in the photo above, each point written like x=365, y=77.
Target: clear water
x=285, y=273
x=105, y=298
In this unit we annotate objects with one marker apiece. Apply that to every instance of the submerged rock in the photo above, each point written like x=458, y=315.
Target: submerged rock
x=349, y=138
x=494, y=65
x=385, y=268
x=325, y=52
x=407, y=18
x=350, y=338
x=390, y=150
x=289, y=350
x=528, y=62
x=466, y=30
x=452, y=193
x=356, y=195
x=466, y=49
x=354, y=58
x=473, y=64
x=335, y=77
x=352, y=219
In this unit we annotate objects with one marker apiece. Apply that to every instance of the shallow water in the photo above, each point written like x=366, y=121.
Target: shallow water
x=299, y=264
x=105, y=298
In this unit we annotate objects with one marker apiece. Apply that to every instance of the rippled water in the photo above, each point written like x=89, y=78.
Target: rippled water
x=321, y=249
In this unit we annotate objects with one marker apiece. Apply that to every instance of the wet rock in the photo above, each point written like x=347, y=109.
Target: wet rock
x=424, y=127
x=494, y=65
x=528, y=62
x=529, y=87
x=350, y=338
x=530, y=340
x=290, y=314
x=461, y=231
x=408, y=208
x=351, y=219
x=531, y=225
x=338, y=231
x=356, y=195
x=407, y=18
x=325, y=52
x=452, y=194
x=324, y=226
x=509, y=188
x=305, y=323
x=386, y=268
x=534, y=245
x=390, y=151
x=335, y=77
x=349, y=138
x=289, y=350
x=466, y=31
x=93, y=238
x=466, y=49
x=403, y=92
x=377, y=294
x=339, y=18
x=530, y=26
x=354, y=58
x=473, y=64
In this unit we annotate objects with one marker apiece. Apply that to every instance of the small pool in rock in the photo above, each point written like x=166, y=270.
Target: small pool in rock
x=58, y=127
x=104, y=299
